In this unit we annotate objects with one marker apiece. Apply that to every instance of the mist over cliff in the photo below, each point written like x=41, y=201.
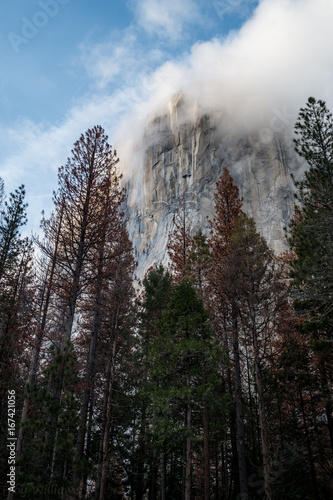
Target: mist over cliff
x=181, y=156
x=229, y=102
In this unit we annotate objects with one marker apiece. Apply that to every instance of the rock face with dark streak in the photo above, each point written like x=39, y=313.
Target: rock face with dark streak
x=184, y=155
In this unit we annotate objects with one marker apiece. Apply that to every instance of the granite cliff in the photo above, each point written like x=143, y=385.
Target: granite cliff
x=183, y=154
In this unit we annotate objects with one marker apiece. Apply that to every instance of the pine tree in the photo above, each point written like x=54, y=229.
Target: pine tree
x=115, y=321
x=180, y=359
x=43, y=300
x=224, y=319
x=314, y=143
x=87, y=183
x=179, y=243
x=106, y=290
x=84, y=249
x=47, y=458
x=311, y=238
x=15, y=281
x=291, y=411
x=311, y=229
x=157, y=290
x=256, y=290
x=17, y=305
x=228, y=206
x=199, y=264
x=152, y=305
x=18, y=321
x=13, y=217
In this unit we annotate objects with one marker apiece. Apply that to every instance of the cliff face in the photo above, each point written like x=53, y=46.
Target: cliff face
x=183, y=156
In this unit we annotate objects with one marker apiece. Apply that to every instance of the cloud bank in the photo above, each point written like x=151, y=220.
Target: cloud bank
x=256, y=78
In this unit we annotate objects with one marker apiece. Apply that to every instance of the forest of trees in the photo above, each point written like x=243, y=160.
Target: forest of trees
x=210, y=379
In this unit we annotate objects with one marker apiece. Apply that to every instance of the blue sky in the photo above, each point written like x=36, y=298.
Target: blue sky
x=45, y=45
x=67, y=65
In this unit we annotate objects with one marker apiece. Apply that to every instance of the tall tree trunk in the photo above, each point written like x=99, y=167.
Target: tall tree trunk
x=102, y=466
x=206, y=450
x=139, y=483
x=152, y=494
x=217, y=482
x=90, y=424
x=308, y=444
x=39, y=335
x=73, y=294
x=262, y=420
x=88, y=379
x=188, y=454
x=328, y=402
x=230, y=480
x=80, y=255
x=163, y=476
x=239, y=415
x=105, y=460
x=253, y=413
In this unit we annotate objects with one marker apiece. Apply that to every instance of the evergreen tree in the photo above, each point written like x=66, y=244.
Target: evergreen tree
x=182, y=359
x=314, y=143
x=311, y=235
x=86, y=269
x=180, y=242
x=47, y=458
x=157, y=290
x=228, y=206
x=199, y=262
x=311, y=239
x=293, y=412
x=17, y=307
x=153, y=304
x=255, y=288
x=13, y=217
x=114, y=329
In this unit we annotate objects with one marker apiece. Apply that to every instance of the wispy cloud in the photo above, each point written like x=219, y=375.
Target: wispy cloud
x=240, y=8
x=119, y=60
x=106, y=61
x=257, y=79
x=38, y=150
x=166, y=18
x=35, y=151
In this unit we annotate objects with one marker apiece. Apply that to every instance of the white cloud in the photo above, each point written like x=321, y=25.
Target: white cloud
x=258, y=77
x=253, y=82
x=166, y=18
x=280, y=57
x=119, y=60
x=104, y=62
